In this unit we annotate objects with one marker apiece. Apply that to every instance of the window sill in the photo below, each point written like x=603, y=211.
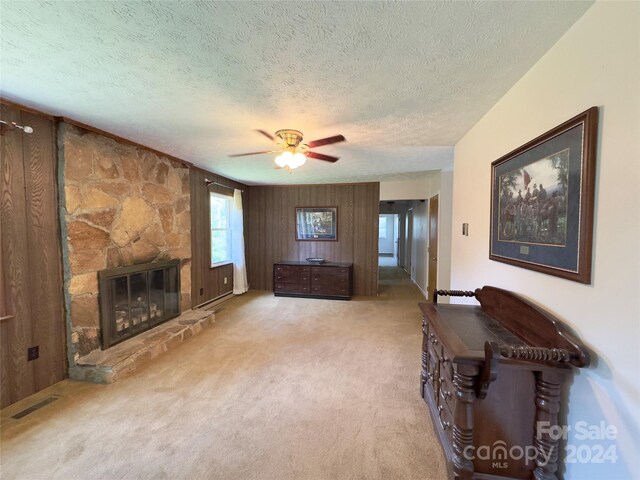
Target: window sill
x=221, y=264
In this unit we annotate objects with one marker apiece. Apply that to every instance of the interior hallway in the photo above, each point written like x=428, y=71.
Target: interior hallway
x=386, y=261
x=279, y=388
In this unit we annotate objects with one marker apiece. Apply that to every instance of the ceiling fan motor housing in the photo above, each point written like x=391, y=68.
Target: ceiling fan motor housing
x=290, y=138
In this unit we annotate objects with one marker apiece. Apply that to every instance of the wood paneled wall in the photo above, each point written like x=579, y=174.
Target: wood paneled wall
x=271, y=232
x=208, y=283
x=32, y=309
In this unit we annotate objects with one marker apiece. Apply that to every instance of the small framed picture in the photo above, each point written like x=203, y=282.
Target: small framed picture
x=317, y=223
x=542, y=200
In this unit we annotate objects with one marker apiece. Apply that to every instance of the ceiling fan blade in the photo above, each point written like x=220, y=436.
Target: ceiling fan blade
x=252, y=153
x=319, y=156
x=266, y=134
x=326, y=141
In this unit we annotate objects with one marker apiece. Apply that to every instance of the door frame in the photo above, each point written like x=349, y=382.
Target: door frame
x=432, y=248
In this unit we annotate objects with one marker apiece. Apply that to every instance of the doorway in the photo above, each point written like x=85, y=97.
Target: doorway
x=388, y=239
x=397, y=242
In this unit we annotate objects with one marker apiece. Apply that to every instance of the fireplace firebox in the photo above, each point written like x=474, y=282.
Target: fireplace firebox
x=136, y=298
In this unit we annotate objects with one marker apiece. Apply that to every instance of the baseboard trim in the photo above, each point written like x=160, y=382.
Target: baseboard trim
x=215, y=301
x=419, y=288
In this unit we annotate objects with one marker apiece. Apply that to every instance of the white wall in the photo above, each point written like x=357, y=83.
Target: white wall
x=415, y=189
x=419, y=264
x=597, y=62
x=445, y=206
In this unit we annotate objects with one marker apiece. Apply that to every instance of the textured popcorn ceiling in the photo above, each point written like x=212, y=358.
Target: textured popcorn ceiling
x=403, y=81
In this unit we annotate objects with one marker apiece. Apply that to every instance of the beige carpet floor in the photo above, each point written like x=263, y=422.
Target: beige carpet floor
x=278, y=388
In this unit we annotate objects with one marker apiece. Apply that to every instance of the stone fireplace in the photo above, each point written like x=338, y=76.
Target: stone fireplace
x=121, y=205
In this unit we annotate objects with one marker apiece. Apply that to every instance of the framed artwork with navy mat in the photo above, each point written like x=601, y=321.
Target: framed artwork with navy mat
x=317, y=223
x=542, y=201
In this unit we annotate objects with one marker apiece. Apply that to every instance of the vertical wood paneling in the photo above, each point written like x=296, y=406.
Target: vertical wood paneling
x=6, y=374
x=359, y=239
x=19, y=382
x=31, y=259
x=45, y=256
x=345, y=222
x=196, y=236
x=371, y=233
x=272, y=230
x=254, y=239
x=211, y=280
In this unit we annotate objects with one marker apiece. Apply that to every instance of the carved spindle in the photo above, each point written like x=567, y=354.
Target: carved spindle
x=548, y=405
x=463, y=380
x=452, y=293
x=537, y=354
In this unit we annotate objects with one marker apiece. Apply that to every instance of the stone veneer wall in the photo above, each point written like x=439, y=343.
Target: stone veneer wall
x=122, y=205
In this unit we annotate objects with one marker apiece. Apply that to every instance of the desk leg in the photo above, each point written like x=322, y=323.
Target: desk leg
x=464, y=382
x=548, y=405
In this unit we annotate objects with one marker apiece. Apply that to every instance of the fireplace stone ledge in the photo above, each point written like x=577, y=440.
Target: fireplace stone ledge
x=107, y=366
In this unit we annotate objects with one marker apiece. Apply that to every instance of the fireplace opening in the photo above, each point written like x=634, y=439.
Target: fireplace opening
x=136, y=298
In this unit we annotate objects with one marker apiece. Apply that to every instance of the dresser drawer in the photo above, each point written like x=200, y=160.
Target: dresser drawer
x=291, y=288
x=447, y=394
x=291, y=271
x=445, y=419
x=292, y=278
x=330, y=290
x=329, y=280
x=446, y=367
x=332, y=271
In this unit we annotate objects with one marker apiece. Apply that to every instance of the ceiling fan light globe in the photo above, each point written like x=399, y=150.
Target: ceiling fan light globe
x=281, y=162
x=299, y=160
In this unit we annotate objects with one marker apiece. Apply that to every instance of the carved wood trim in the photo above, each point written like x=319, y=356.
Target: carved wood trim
x=529, y=322
x=464, y=382
x=424, y=357
x=547, y=408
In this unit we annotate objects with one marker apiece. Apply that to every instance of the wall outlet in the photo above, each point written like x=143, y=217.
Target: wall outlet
x=225, y=280
x=33, y=353
x=202, y=291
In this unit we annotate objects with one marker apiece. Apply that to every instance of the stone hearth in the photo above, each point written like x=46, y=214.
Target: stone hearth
x=107, y=366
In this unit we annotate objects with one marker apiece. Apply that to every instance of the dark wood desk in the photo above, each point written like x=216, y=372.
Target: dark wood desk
x=491, y=376
x=304, y=279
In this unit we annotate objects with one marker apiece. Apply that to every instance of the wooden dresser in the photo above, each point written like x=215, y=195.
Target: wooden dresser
x=304, y=279
x=491, y=377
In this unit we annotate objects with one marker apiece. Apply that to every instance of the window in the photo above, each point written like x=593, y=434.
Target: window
x=220, y=229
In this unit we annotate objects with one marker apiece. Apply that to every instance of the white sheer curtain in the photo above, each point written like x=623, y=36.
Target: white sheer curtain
x=240, y=284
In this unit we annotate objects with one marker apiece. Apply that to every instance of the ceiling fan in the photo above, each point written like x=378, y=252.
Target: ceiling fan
x=294, y=153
